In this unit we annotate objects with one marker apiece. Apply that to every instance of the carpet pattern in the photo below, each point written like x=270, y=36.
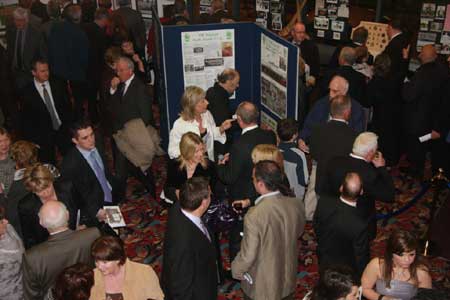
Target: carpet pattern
x=146, y=222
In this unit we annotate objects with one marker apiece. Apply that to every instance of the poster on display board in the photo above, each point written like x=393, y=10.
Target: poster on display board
x=145, y=7
x=274, y=61
x=331, y=17
x=268, y=121
x=434, y=27
x=205, y=55
x=269, y=14
x=6, y=9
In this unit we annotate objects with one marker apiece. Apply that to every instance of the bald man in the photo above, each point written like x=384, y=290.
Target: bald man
x=422, y=97
x=342, y=234
x=64, y=247
x=307, y=48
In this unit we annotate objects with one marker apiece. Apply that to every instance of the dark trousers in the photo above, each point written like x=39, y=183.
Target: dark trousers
x=416, y=152
x=56, y=139
x=78, y=90
x=235, y=238
x=92, y=88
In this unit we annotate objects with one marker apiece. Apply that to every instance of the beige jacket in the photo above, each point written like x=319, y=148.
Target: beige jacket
x=269, y=250
x=139, y=144
x=141, y=283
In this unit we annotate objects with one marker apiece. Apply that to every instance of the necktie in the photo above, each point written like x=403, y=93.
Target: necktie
x=121, y=89
x=205, y=230
x=19, y=49
x=101, y=177
x=51, y=109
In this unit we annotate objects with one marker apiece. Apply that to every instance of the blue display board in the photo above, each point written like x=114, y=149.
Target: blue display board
x=247, y=47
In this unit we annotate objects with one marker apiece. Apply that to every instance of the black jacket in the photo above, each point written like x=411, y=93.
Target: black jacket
x=329, y=140
x=342, y=234
x=237, y=172
x=218, y=99
x=310, y=54
x=189, y=261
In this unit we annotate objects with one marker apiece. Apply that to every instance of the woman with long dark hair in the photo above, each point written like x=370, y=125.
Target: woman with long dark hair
x=399, y=273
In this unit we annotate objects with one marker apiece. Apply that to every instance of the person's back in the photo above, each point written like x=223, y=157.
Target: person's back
x=43, y=263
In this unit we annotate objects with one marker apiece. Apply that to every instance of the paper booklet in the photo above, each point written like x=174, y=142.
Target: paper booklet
x=114, y=216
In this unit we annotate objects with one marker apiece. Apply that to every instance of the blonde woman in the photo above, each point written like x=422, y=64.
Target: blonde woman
x=195, y=117
x=192, y=162
x=39, y=181
x=267, y=152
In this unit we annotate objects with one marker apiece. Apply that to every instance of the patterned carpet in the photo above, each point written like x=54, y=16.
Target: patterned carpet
x=146, y=219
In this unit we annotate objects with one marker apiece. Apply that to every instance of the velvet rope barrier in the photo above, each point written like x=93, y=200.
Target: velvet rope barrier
x=410, y=203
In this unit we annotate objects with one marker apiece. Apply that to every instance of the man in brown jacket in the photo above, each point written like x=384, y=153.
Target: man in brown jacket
x=267, y=262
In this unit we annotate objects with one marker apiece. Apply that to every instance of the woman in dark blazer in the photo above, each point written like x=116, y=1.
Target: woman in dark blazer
x=40, y=181
x=192, y=162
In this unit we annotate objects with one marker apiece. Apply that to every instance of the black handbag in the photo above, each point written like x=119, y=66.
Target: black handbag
x=220, y=216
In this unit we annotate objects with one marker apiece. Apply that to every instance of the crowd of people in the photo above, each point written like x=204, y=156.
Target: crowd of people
x=75, y=75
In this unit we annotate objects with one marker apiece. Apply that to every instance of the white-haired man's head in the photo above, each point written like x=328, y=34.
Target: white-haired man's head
x=366, y=145
x=338, y=86
x=54, y=216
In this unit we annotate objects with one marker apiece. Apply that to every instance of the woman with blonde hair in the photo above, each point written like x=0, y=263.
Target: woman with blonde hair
x=399, y=273
x=267, y=152
x=192, y=162
x=195, y=117
x=39, y=181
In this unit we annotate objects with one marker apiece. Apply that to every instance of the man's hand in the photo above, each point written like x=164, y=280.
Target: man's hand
x=405, y=52
x=81, y=227
x=101, y=215
x=378, y=160
x=245, y=203
x=3, y=224
x=435, y=135
x=225, y=125
x=115, y=82
x=224, y=160
x=302, y=146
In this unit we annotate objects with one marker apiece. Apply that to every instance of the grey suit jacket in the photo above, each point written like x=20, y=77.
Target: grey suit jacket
x=43, y=263
x=269, y=252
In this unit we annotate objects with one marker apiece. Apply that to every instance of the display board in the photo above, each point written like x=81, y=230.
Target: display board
x=242, y=43
x=6, y=9
x=206, y=54
x=377, y=39
x=331, y=19
x=435, y=26
x=269, y=14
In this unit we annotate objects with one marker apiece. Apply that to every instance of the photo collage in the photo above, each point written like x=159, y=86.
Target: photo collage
x=331, y=19
x=434, y=27
x=269, y=14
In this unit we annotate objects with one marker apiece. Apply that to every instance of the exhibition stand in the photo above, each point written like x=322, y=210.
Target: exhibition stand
x=195, y=54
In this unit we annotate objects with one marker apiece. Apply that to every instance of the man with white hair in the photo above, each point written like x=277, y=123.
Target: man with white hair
x=43, y=263
x=23, y=46
x=369, y=163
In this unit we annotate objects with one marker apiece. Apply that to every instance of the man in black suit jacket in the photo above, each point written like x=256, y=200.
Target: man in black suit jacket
x=356, y=80
x=44, y=262
x=308, y=49
x=189, y=260
x=46, y=113
x=342, y=233
x=21, y=53
x=334, y=138
x=370, y=166
x=135, y=25
x=235, y=170
x=98, y=43
x=129, y=100
x=397, y=49
x=93, y=183
x=218, y=97
x=422, y=97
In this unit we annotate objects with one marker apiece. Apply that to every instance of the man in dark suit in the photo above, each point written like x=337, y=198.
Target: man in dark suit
x=398, y=50
x=93, y=184
x=307, y=48
x=129, y=100
x=342, y=233
x=334, y=138
x=43, y=263
x=189, y=260
x=370, y=166
x=356, y=80
x=135, y=25
x=46, y=113
x=98, y=43
x=359, y=39
x=235, y=170
x=422, y=97
x=23, y=47
x=218, y=12
x=218, y=97
x=69, y=60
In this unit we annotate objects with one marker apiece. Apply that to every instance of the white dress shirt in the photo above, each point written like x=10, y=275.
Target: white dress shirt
x=181, y=126
x=248, y=129
x=40, y=90
x=198, y=222
x=266, y=195
x=353, y=204
x=125, y=88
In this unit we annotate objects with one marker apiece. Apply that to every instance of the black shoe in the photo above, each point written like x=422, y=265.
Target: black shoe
x=150, y=184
